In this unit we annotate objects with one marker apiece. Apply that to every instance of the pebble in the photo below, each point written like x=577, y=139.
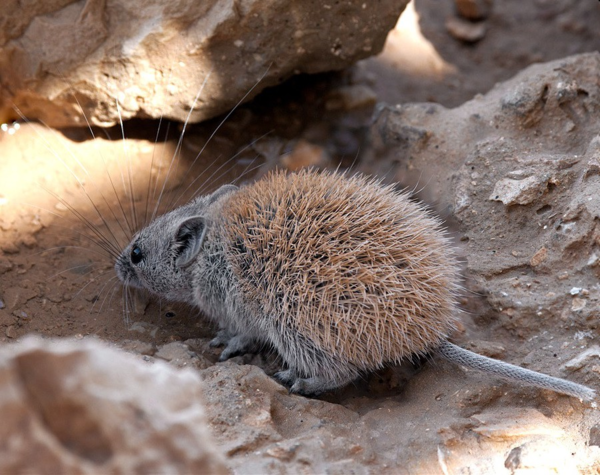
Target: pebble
x=305, y=154
x=583, y=359
x=10, y=248
x=518, y=192
x=473, y=9
x=2, y=305
x=141, y=300
x=5, y=265
x=539, y=257
x=595, y=435
x=23, y=316
x=11, y=332
x=465, y=30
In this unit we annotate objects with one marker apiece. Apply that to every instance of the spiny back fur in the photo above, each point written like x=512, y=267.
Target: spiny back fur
x=357, y=268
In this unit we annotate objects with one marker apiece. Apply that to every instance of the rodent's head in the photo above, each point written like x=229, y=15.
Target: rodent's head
x=159, y=256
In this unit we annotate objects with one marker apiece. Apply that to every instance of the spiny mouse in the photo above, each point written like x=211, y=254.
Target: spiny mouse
x=339, y=274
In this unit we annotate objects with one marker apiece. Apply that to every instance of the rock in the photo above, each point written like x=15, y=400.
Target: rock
x=538, y=257
x=14, y=297
x=305, y=154
x=466, y=31
x=518, y=192
x=473, y=9
x=180, y=355
x=9, y=248
x=550, y=196
x=514, y=424
x=10, y=332
x=141, y=300
x=5, y=265
x=595, y=435
x=61, y=58
x=81, y=407
x=144, y=327
x=138, y=347
x=583, y=359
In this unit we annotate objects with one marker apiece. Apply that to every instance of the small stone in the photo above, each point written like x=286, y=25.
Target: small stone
x=138, y=347
x=10, y=248
x=539, y=257
x=14, y=297
x=5, y=265
x=520, y=192
x=575, y=290
x=465, y=30
x=11, y=331
x=29, y=241
x=23, y=316
x=144, y=327
x=583, y=359
x=179, y=354
x=305, y=154
x=141, y=300
x=2, y=305
x=473, y=9
x=595, y=435
x=578, y=304
x=504, y=425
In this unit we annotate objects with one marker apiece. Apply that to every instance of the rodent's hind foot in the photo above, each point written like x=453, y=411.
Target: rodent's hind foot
x=308, y=386
x=235, y=346
x=286, y=377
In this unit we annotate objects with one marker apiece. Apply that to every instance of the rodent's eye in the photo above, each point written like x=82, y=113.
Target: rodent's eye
x=136, y=255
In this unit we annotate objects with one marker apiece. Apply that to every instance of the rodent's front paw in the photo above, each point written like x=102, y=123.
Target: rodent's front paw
x=237, y=345
x=222, y=338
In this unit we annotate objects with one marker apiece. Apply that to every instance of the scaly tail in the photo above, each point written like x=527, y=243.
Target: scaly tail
x=467, y=358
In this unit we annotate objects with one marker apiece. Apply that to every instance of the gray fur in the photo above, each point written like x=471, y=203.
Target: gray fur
x=202, y=276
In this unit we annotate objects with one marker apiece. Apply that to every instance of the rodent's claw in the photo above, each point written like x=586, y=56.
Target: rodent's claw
x=237, y=345
x=286, y=378
x=222, y=338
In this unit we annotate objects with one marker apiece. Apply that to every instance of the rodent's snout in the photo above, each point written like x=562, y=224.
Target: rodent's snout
x=125, y=272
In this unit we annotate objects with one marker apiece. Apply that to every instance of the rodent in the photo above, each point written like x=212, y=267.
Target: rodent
x=339, y=274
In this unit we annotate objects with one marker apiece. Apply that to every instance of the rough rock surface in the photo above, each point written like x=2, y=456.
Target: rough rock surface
x=58, y=57
x=528, y=210
x=81, y=407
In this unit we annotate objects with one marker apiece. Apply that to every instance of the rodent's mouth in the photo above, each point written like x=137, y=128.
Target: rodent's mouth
x=127, y=275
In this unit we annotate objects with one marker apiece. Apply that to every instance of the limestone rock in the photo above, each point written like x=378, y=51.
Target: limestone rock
x=514, y=169
x=61, y=56
x=81, y=407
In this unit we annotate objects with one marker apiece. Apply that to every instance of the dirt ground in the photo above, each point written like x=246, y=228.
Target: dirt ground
x=67, y=202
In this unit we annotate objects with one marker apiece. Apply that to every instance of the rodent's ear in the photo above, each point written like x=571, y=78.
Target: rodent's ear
x=222, y=191
x=188, y=240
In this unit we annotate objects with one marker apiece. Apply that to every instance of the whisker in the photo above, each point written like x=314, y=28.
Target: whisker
x=179, y=143
x=128, y=164
x=239, y=152
x=107, y=244
x=109, y=178
x=73, y=268
x=102, y=290
x=225, y=120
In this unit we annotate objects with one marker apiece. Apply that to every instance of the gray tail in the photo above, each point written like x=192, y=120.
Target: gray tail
x=467, y=358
